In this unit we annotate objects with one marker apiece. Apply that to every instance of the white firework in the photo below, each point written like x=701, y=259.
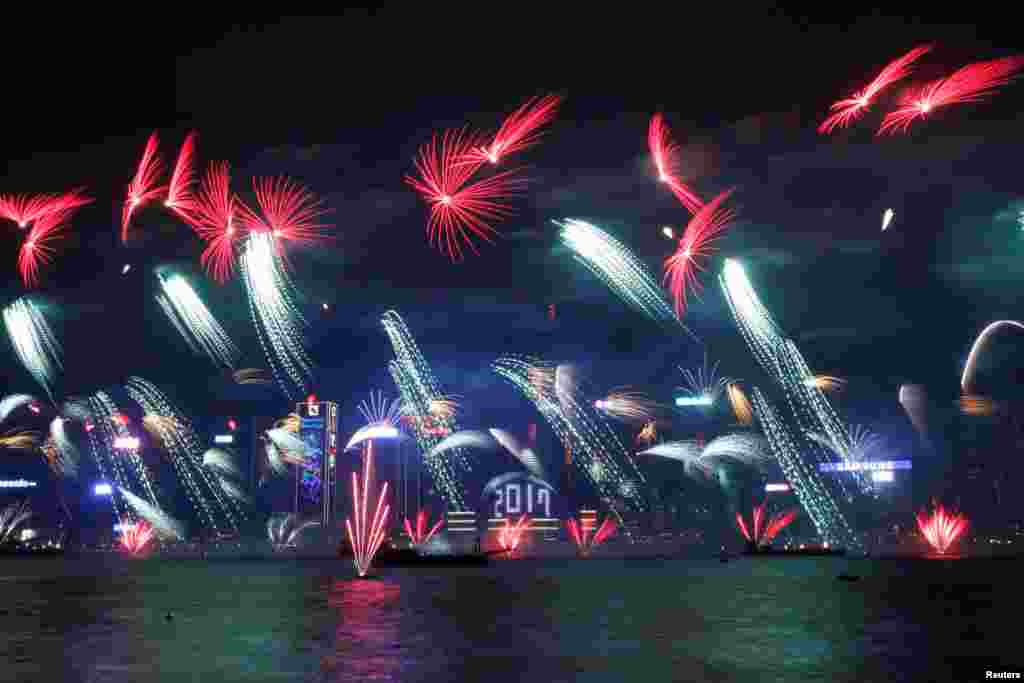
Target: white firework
x=163, y=524
x=747, y=449
x=283, y=531
x=34, y=342
x=686, y=452
x=467, y=438
x=194, y=321
x=67, y=453
x=523, y=455
x=11, y=403
x=11, y=517
x=704, y=381
x=221, y=462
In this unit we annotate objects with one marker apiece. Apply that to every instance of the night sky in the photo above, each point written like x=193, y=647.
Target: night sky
x=343, y=103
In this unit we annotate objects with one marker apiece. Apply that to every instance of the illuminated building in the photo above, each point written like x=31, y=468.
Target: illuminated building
x=316, y=484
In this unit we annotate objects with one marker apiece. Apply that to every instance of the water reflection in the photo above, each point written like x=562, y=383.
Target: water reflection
x=367, y=644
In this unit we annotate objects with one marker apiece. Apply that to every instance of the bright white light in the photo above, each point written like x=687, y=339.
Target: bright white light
x=773, y=488
x=869, y=466
x=325, y=306
x=683, y=401
x=34, y=342
x=126, y=442
x=103, y=490
x=123, y=527
x=127, y=267
x=887, y=218
x=668, y=232
x=882, y=475
x=223, y=438
x=16, y=484
x=193, y=319
x=600, y=404
x=373, y=432
x=28, y=534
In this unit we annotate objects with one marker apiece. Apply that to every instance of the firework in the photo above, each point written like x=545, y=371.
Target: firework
x=971, y=83
x=941, y=528
x=754, y=321
x=740, y=405
x=34, y=342
x=292, y=450
x=580, y=534
x=520, y=130
x=914, y=399
x=37, y=250
x=144, y=187
x=284, y=531
x=460, y=209
x=20, y=440
x=746, y=449
x=418, y=535
x=684, y=266
x=162, y=524
x=510, y=534
x=11, y=517
x=213, y=216
x=290, y=212
x=760, y=533
x=825, y=383
x=179, y=191
x=665, y=153
x=466, y=438
x=124, y=464
x=619, y=268
x=25, y=208
x=967, y=378
x=705, y=381
x=367, y=536
x=858, y=447
x=977, y=406
x=278, y=321
x=648, y=434
x=11, y=403
x=887, y=218
x=627, y=406
x=252, y=376
x=846, y=111
x=221, y=462
x=383, y=419
x=526, y=456
x=193, y=320
x=136, y=538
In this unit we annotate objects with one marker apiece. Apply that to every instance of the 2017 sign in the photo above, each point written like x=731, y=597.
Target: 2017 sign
x=518, y=498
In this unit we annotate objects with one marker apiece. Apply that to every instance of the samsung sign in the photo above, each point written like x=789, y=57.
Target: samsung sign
x=872, y=466
x=17, y=484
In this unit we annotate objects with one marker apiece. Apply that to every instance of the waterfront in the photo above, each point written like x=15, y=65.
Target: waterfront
x=103, y=618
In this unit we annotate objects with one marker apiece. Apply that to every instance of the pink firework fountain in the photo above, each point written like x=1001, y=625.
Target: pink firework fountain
x=366, y=536
x=136, y=538
x=941, y=528
x=585, y=540
x=511, y=534
x=760, y=533
x=418, y=535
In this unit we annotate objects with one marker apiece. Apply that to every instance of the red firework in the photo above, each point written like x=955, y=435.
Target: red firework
x=214, y=218
x=37, y=249
x=682, y=267
x=941, y=528
x=520, y=130
x=366, y=536
x=179, y=191
x=848, y=110
x=585, y=544
x=460, y=209
x=144, y=187
x=972, y=83
x=666, y=159
x=25, y=208
x=290, y=211
x=510, y=535
x=419, y=535
x=136, y=538
x=764, y=534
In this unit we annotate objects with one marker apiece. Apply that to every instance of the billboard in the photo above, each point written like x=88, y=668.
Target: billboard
x=316, y=482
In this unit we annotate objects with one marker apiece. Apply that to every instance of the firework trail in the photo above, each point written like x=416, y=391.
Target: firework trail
x=580, y=534
x=887, y=218
x=11, y=517
x=648, y=433
x=184, y=450
x=213, y=216
x=368, y=535
x=460, y=209
x=145, y=186
x=419, y=536
x=291, y=449
x=136, y=538
x=754, y=321
x=419, y=389
x=290, y=212
x=972, y=83
x=967, y=378
x=597, y=451
x=826, y=383
x=705, y=381
x=740, y=405
x=285, y=530
x=383, y=418
x=60, y=451
x=193, y=320
x=11, y=403
x=526, y=456
x=978, y=406
x=627, y=406
x=519, y=131
x=941, y=528
x=802, y=474
x=682, y=268
x=278, y=321
x=748, y=450
x=19, y=440
x=624, y=273
x=914, y=399
x=251, y=376
x=34, y=342
x=759, y=533
x=848, y=110
x=221, y=462
x=466, y=438
x=163, y=524
x=179, y=191
x=120, y=462
x=665, y=153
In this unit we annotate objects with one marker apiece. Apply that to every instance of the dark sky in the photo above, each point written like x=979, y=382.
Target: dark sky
x=342, y=104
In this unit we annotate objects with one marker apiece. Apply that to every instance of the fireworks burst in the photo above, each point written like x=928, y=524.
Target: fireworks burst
x=11, y=517
x=162, y=524
x=284, y=531
x=145, y=186
x=887, y=218
x=746, y=449
x=665, y=153
x=179, y=191
x=526, y=456
x=193, y=320
x=682, y=268
x=648, y=434
x=941, y=528
x=740, y=405
x=967, y=378
x=460, y=209
x=34, y=342
x=11, y=403
x=221, y=462
x=290, y=212
x=520, y=130
x=510, y=535
x=419, y=536
x=136, y=538
x=367, y=536
x=825, y=383
x=619, y=268
x=466, y=438
x=277, y=318
x=581, y=536
x=252, y=376
x=971, y=83
x=37, y=250
x=627, y=406
x=213, y=216
x=848, y=110
x=759, y=533
x=705, y=381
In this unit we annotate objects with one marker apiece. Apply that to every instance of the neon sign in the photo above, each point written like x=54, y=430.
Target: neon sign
x=17, y=484
x=871, y=466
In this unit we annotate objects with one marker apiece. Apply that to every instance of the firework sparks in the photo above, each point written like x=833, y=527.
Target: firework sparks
x=740, y=405
x=193, y=320
x=648, y=434
x=825, y=383
x=581, y=536
x=34, y=342
x=460, y=209
x=252, y=376
x=144, y=187
x=619, y=268
x=20, y=440
x=383, y=419
x=627, y=406
x=367, y=536
x=665, y=153
x=290, y=211
x=887, y=218
x=162, y=524
x=179, y=191
x=37, y=250
x=136, y=538
x=748, y=450
x=848, y=110
x=11, y=517
x=858, y=447
x=466, y=438
x=752, y=318
x=284, y=531
x=977, y=406
x=704, y=381
x=526, y=456
x=967, y=378
x=277, y=318
x=682, y=268
x=291, y=449
x=221, y=462
x=25, y=209
x=419, y=536
x=914, y=399
x=11, y=403
x=510, y=535
x=213, y=216
x=520, y=130
x=941, y=528
x=761, y=534
x=971, y=83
